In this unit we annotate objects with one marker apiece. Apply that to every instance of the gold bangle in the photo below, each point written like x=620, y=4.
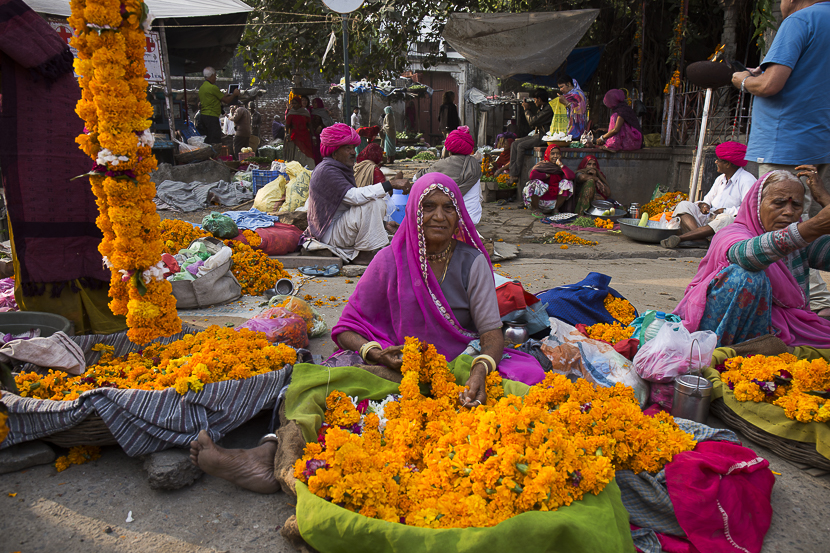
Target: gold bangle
x=366, y=348
x=489, y=362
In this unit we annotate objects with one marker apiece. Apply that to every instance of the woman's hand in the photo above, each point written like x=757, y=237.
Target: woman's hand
x=476, y=392
x=602, y=188
x=820, y=195
x=391, y=358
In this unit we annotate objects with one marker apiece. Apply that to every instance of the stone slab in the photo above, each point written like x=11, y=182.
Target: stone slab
x=170, y=469
x=25, y=455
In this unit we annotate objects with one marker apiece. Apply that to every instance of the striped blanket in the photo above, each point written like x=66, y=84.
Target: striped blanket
x=144, y=421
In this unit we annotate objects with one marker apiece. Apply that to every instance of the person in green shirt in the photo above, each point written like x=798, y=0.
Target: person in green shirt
x=212, y=99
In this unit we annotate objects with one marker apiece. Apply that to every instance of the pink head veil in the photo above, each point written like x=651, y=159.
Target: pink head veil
x=791, y=315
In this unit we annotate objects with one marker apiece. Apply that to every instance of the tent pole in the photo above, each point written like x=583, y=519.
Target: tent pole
x=168, y=90
x=701, y=140
x=347, y=98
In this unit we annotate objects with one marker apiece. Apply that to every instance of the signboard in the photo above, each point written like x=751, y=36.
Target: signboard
x=152, y=52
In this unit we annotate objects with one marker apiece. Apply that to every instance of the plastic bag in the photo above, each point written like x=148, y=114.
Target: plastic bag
x=574, y=354
x=668, y=223
x=287, y=330
x=314, y=320
x=220, y=226
x=198, y=141
x=671, y=353
x=643, y=324
x=269, y=195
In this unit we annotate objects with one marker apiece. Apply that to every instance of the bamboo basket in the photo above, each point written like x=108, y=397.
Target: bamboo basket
x=797, y=452
x=90, y=431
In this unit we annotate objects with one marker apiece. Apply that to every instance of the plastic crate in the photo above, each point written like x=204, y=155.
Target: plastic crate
x=262, y=177
x=188, y=130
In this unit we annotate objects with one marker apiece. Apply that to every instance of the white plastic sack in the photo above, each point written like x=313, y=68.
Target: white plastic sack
x=573, y=353
x=664, y=223
x=198, y=141
x=671, y=353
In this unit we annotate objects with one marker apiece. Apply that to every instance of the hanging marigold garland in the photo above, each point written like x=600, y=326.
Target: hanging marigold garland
x=110, y=42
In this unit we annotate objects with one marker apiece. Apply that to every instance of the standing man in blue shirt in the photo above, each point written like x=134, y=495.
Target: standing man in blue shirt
x=791, y=113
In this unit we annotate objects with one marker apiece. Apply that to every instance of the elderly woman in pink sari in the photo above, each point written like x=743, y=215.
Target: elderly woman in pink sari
x=624, y=129
x=434, y=282
x=755, y=280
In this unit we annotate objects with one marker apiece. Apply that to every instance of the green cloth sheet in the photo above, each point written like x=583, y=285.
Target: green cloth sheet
x=766, y=416
x=596, y=524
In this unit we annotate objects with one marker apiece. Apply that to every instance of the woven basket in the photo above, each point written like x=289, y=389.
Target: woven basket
x=797, y=452
x=90, y=431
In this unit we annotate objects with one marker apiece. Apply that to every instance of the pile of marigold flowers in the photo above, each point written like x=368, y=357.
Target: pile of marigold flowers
x=619, y=308
x=563, y=237
x=254, y=240
x=666, y=202
x=177, y=235
x=426, y=461
x=77, y=455
x=611, y=333
x=783, y=380
x=604, y=223
x=213, y=355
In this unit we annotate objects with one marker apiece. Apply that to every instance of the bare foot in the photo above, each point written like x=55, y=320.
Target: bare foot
x=252, y=469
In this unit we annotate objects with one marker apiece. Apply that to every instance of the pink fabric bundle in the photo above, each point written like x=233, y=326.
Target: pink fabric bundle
x=733, y=152
x=460, y=141
x=335, y=136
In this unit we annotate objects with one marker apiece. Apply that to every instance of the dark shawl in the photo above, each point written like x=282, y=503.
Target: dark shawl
x=329, y=183
x=52, y=218
x=465, y=171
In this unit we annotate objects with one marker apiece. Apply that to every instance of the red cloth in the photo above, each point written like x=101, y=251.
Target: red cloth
x=733, y=152
x=300, y=134
x=279, y=239
x=721, y=496
x=372, y=152
x=512, y=297
x=170, y=263
x=552, y=180
x=377, y=176
x=460, y=141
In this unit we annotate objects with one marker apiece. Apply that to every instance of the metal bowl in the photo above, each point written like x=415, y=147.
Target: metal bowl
x=618, y=214
x=650, y=234
x=601, y=205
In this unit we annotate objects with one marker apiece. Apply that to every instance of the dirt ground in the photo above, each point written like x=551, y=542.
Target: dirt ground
x=84, y=509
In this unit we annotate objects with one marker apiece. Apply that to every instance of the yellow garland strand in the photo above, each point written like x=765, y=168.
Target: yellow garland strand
x=213, y=355
x=115, y=110
x=563, y=237
x=437, y=465
x=619, y=308
x=757, y=379
x=611, y=333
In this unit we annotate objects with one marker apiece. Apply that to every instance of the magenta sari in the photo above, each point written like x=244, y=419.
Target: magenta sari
x=399, y=296
x=791, y=315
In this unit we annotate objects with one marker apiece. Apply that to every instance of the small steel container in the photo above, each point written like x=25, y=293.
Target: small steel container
x=692, y=396
x=284, y=287
x=515, y=334
x=634, y=211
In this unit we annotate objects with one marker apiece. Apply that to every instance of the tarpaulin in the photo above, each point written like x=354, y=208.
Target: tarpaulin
x=506, y=44
x=581, y=65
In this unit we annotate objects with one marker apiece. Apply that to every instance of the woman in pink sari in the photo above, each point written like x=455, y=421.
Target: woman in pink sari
x=755, y=280
x=624, y=129
x=434, y=282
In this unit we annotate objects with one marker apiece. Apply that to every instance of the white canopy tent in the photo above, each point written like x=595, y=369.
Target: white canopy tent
x=160, y=9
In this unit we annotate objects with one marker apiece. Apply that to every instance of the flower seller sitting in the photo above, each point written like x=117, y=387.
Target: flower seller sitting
x=434, y=282
x=462, y=168
x=346, y=219
x=700, y=221
x=755, y=278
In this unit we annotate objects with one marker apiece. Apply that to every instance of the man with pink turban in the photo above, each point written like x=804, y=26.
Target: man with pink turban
x=701, y=220
x=461, y=167
x=345, y=219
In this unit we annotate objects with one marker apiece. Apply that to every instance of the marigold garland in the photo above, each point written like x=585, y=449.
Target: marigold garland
x=604, y=223
x=111, y=43
x=77, y=455
x=213, y=355
x=254, y=270
x=782, y=380
x=666, y=202
x=563, y=237
x=178, y=235
x=611, y=333
x=619, y=308
x=254, y=239
x=424, y=461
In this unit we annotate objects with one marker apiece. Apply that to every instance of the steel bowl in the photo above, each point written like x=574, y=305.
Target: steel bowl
x=618, y=214
x=515, y=333
x=601, y=205
x=650, y=234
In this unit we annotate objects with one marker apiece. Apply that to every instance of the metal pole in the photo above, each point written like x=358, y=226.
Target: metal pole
x=671, y=116
x=168, y=90
x=701, y=139
x=348, y=89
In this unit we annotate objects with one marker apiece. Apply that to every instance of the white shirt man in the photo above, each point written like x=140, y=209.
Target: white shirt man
x=355, y=119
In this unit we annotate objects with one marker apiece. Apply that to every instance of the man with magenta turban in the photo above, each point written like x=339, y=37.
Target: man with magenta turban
x=346, y=219
x=462, y=168
x=701, y=220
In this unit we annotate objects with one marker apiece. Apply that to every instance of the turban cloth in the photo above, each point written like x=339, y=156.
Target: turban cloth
x=613, y=97
x=459, y=141
x=372, y=152
x=335, y=136
x=733, y=152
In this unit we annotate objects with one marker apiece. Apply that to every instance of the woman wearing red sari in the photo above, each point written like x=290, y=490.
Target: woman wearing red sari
x=298, y=128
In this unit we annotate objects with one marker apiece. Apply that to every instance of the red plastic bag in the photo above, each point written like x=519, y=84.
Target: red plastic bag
x=279, y=239
x=287, y=330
